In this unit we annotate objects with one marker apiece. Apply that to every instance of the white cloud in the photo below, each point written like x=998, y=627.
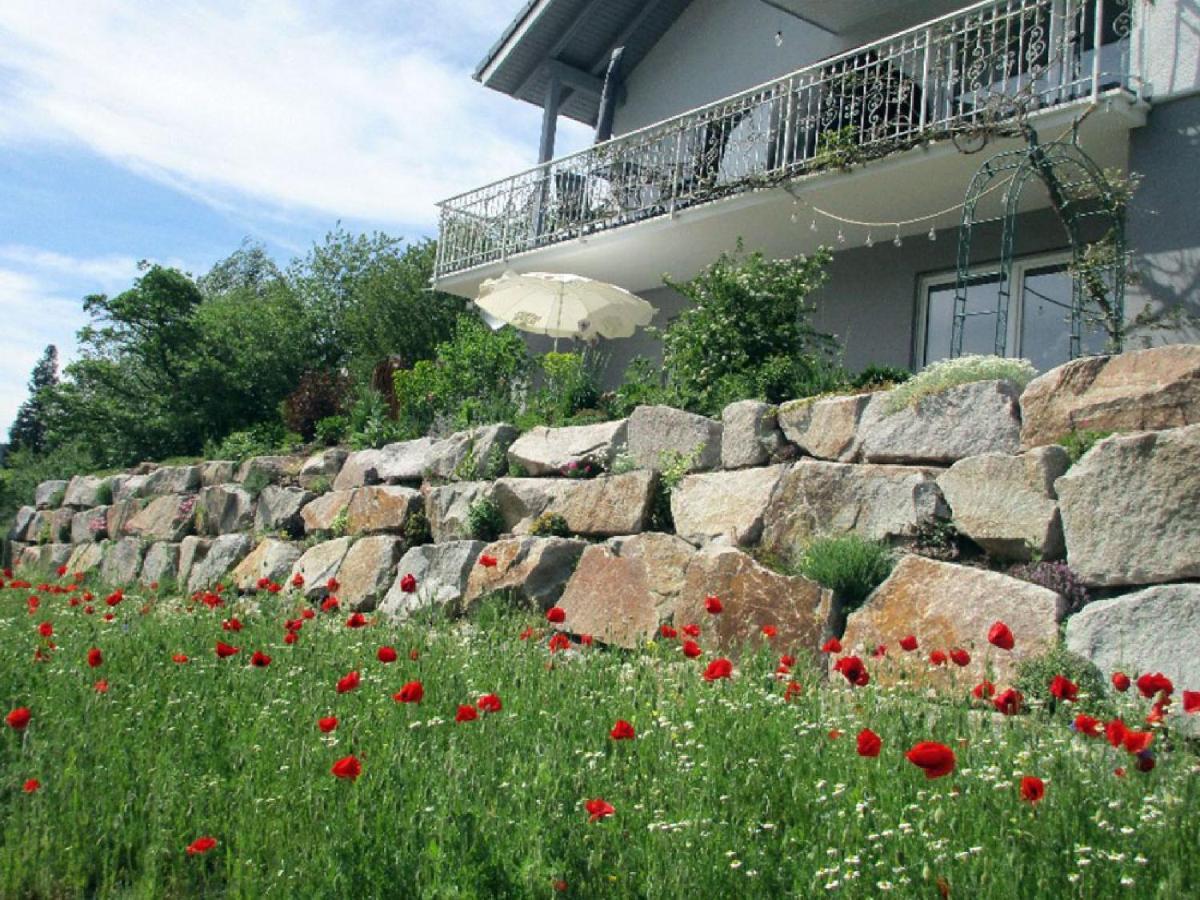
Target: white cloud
x=300, y=106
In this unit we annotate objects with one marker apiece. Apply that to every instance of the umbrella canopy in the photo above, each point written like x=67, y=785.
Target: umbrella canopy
x=563, y=305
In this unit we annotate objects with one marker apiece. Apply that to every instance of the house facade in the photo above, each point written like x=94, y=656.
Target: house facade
x=876, y=128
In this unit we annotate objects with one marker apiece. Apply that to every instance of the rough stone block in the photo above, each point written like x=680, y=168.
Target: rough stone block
x=726, y=506
x=658, y=434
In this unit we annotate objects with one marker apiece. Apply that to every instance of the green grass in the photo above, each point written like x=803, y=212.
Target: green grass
x=727, y=790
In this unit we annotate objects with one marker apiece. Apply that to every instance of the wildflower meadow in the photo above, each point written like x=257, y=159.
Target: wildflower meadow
x=156, y=744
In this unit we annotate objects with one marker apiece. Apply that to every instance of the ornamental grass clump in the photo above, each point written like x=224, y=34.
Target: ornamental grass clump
x=849, y=565
x=948, y=373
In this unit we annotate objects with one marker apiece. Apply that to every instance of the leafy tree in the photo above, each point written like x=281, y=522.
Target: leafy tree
x=248, y=267
x=28, y=430
x=749, y=333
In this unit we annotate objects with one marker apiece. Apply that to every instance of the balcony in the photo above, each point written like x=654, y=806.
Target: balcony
x=948, y=81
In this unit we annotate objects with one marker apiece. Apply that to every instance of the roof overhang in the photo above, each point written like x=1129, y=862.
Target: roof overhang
x=852, y=16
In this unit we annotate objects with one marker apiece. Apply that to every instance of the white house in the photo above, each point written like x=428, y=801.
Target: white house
x=860, y=125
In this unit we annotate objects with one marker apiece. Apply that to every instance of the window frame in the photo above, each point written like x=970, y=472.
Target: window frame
x=1016, y=312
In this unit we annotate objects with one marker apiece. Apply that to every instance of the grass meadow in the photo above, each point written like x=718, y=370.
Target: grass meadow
x=735, y=787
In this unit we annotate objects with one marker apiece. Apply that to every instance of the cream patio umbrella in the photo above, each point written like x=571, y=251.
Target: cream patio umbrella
x=559, y=305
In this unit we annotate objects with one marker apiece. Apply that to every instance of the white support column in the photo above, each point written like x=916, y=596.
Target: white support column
x=550, y=118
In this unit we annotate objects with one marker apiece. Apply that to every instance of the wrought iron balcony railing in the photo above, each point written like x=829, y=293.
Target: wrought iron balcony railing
x=973, y=69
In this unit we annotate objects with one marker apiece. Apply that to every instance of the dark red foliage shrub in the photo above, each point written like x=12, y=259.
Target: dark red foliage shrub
x=318, y=396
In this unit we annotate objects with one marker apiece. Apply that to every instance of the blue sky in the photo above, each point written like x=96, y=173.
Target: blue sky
x=172, y=131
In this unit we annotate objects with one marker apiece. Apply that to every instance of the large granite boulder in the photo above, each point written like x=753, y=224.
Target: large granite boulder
x=318, y=565
x=86, y=491
x=320, y=516
x=383, y=508
x=750, y=435
x=260, y=471
x=21, y=522
x=441, y=572
x=624, y=589
x=825, y=427
x=44, y=558
x=1006, y=504
x=224, y=553
x=448, y=508
x=658, y=434
x=407, y=461
x=946, y=607
x=547, y=451
x=480, y=453
x=726, y=506
x=965, y=420
x=218, y=471
x=166, y=518
x=1153, y=630
x=1144, y=390
x=368, y=570
x=172, y=480
x=877, y=502
x=89, y=525
x=534, y=569
x=360, y=468
x=192, y=551
x=1131, y=509
x=224, y=509
x=278, y=510
x=595, y=507
x=129, y=487
x=120, y=513
x=61, y=522
x=122, y=562
x=753, y=597
x=40, y=529
x=87, y=557
x=161, y=564
x=321, y=469
x=49, y=494
x=272, y=559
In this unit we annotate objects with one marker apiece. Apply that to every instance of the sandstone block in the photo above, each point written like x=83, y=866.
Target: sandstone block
x=750, y=434
x=441, y=571
x=595, y=507
x=87, y=557
x=318, y=565
x=166, y=518
x=89, y=525
x=825, y=427
x=272, y=559
x=172, y=480
x=727, y=506
x=656, y=434
x=534, y=569
x=547, y=451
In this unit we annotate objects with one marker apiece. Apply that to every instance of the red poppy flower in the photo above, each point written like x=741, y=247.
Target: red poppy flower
x=307, y=614
x=1121, y=681
x=787, y=660
x=598, y=809
x=1137, y=741
x=179, y=658
x=348, y=682
x=231, y=624
x=201, y=845
x=290, y=638
x=46, y=629
x=332, y=585
x=834, y=734
x=556, y=614
x=329, y=604
x=31, y=786
x=712, y=604
x=1064, y=689
x=936, y=759
x=622, y=731
x=1115, y=731
x=1149, y=685
x=833, y=645
x=274, y=587
x=526, y=634
x=793, y=690
x=101, y=686
x=853, y=669
x=937, y=658
x=347, y=767
x=88, y=610
x=1033, y=789
x=386, y=654
x=356, y=620
x=1009, y=702
x=879, y=652
x=32, y=604
x=717, y=669
x=1191, y=701
x=558, y=641
x=1000, y=635
x=1087, y=725
x=413, y=692
x=869, y=743
x=414, y=654
x=960, y=657
x=327, y=724
x=692, y=631
x=691, y=649
x=114, y=598
x=108, y=617
x=224, y=651
x=908, y=643
x=260, y=660
x=586, y=640
x=489, y=703
x=297, y=580
x=466, y=714
x=985, y=690
x=559, y=885
x=1119, y=771
x=770, y=631
x=95, y=657
x=488, y=562
x=783, y=671
x=408, y=583
x=668, y=632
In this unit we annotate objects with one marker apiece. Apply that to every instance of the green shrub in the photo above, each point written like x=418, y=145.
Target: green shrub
x=371, y=425
x=332, y=430
x=549, y=524
x=1078, y=443
x=261, y=440
x=849, y=565
x=104, y=493
x=256, y=482
x=1035, y=673
x=484, y=522
x=748, y=333
x=948, y=373
x=416, y=530
x=876, y=377
x=569, y=383
x=641, y=385
x=321, y=485
x=673, y=467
